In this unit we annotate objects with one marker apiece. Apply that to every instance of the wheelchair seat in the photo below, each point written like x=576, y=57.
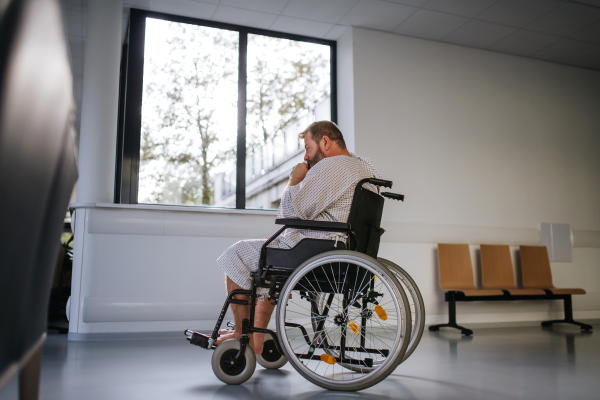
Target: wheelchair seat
x=290, y=259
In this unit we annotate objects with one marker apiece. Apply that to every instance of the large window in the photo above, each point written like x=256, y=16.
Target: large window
x=210, y=113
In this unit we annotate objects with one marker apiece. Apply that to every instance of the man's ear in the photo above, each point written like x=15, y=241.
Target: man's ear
x=326, y=143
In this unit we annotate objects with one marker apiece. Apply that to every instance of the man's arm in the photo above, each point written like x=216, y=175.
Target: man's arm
x=298, y=174
x=310, y=196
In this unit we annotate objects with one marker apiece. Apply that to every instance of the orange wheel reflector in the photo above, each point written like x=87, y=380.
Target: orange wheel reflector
x=328, y=359
x=353, y=327
x=380, y=312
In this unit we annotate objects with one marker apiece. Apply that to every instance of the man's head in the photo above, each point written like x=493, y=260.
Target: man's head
x=322, y=139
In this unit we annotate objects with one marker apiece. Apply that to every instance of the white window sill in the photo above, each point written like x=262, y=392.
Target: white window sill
x=161, y=207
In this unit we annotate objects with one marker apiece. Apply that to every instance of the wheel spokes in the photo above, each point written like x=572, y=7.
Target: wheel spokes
x=346, y=339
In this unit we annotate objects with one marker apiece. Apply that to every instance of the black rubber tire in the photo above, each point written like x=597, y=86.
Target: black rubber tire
x=236, y=374
x=267, y=359
x=419, y=325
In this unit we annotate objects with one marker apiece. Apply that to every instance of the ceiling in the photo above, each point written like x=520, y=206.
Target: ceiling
x=561, y=31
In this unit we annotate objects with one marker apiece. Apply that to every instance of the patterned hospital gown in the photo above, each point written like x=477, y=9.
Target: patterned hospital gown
x=325, y=194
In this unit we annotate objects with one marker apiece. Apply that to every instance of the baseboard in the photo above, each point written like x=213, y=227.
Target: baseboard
x=515, y=324
x=478, y=321
x=520, y=319
x=83, y=337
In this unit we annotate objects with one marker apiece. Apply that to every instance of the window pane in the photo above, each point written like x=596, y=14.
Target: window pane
x=189, y=114
x=288, y=88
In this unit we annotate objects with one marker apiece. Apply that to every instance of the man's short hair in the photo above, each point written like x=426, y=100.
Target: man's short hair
x=325, y=128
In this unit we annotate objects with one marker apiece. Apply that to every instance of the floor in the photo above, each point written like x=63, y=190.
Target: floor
x=499, y=363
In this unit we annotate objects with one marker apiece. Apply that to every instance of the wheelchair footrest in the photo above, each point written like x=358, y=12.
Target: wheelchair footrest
x=197, y=339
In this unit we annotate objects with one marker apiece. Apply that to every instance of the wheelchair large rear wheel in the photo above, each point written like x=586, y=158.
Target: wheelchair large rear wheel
x=415, y=300
x=359, y=336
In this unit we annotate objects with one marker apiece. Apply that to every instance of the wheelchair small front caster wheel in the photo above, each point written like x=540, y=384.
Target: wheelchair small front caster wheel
x=270, y=357
x=227, y=369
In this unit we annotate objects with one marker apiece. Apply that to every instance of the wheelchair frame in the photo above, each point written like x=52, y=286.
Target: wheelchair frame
x=277, y=278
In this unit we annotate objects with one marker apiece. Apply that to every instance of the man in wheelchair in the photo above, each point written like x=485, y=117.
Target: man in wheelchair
x=321, y=189
x=344, y=319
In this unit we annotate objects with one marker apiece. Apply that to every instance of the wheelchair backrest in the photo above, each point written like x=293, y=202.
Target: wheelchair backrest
x=365, y=219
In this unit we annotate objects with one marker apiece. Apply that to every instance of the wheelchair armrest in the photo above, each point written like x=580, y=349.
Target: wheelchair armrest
x=314, y=225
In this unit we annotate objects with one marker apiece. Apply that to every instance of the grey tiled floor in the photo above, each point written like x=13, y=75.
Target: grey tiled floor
x=506, y=363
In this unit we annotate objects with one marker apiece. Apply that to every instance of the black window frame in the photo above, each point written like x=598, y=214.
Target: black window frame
x=131, y=90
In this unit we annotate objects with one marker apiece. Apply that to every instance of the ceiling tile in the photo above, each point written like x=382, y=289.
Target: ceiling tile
x=74, y=22
x=336, y=32
x=377, y=14
x=205, y=1
x=414, y=3
x=567, y=51
x=566, y=20
x=591, y=61
x=479, y=34
x=430, y=24
x=319, y=10
x=76, y=46
x=72, y=4
x=467, y=8
x=590, y=33
x=268, y=6
x=524, y=43
x=238, y=16
x=591, y=2
x=137, y=3
x=518, y=12
x=186, y=8
x=77, y=66
x=301, y=26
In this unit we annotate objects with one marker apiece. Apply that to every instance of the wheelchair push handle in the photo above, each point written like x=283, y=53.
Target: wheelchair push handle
x=383, y=183
x=380, y=182
x=393, y=196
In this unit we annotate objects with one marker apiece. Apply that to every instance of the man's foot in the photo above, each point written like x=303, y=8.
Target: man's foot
x=224, y=335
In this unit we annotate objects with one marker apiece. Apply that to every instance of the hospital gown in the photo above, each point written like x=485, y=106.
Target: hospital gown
x=325, y=194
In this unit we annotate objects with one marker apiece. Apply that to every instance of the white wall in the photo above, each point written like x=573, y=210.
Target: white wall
x=74, y=16
x=345, y=87
x=485, y=147
x=495, y=142
x=99, y=108
x=140, y=268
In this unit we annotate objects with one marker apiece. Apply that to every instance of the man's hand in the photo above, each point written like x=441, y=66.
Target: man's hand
x=298, y=173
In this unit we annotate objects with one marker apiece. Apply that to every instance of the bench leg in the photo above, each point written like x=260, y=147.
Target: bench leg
x=452, y=317
x=568, y=317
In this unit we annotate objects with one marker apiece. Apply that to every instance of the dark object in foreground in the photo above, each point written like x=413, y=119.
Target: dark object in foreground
x=37, y=174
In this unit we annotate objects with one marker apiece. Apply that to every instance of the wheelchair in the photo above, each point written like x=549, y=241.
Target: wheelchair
x=345, y=319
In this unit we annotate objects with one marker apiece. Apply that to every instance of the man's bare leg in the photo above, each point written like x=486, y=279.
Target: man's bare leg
x=262, y=316
x=239, y=313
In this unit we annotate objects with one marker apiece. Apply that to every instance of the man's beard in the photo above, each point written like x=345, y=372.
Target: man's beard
x=318, y=157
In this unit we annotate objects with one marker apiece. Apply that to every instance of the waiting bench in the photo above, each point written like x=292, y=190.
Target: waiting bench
x=456, y=277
